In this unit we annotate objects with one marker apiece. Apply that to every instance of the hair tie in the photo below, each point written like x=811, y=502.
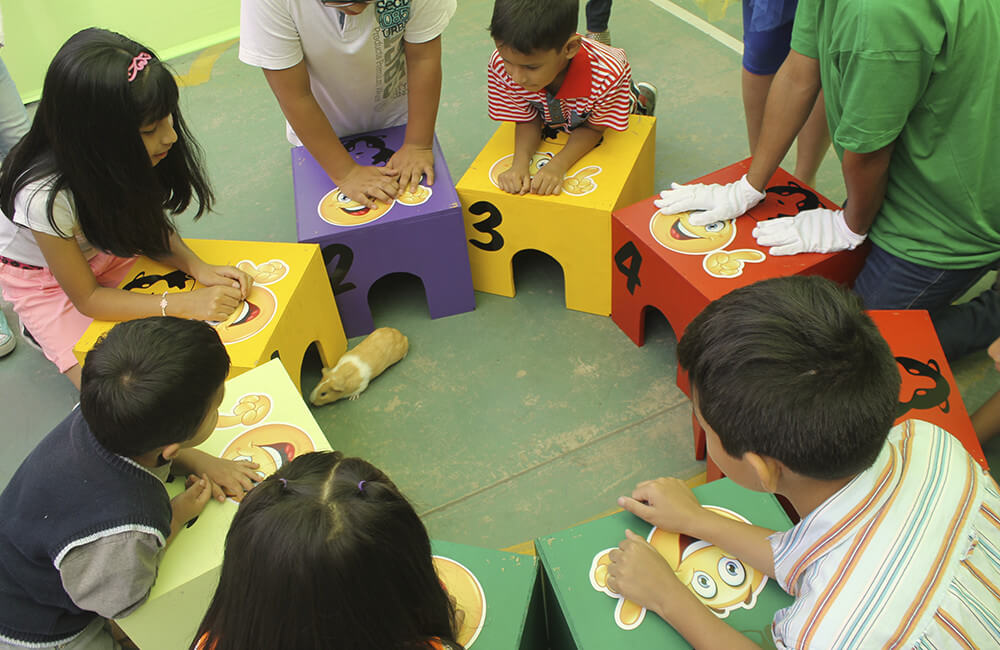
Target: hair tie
x=361, y=486
x=139, y=62
x=284, y=483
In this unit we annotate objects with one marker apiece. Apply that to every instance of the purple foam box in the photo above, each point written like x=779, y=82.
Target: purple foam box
x=420, y=233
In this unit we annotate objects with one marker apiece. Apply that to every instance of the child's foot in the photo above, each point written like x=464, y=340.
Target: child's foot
x=600, y=37
x=646, y=98
x=7, y=340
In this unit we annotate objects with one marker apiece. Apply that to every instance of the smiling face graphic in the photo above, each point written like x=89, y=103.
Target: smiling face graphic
x=538, y=161
x=461, y=584
x=675, y=232
x=338, y=209
x=270, y=446
x=252, y=316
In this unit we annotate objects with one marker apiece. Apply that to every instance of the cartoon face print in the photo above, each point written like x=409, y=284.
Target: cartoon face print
x=257, y=311
x=461, y=584
x=417, y=197
x=374, y=147
x=723, y=583
x=336, y=208
x=676, y=232
x=271, y=446
x=578, y=183
x=793, y=199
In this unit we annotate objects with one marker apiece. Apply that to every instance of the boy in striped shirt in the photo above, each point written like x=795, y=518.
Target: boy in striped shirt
x=546, y=77
x=899, y=542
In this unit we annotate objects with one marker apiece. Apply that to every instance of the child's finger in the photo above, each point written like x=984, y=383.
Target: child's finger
x=429, y=173
x=388, y=171
x=637, y=508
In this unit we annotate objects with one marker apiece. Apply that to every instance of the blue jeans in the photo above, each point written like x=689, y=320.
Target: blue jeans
x=598, y=13
x=888, y=282
x=13, y=117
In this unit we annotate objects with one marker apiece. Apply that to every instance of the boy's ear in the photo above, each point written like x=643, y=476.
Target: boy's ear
x=572, y=46
x=170, y=451
x=767, y=469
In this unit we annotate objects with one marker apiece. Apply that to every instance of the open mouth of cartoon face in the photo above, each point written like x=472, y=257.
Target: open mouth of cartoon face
x=252, y=316
x=678, y=234
x=340, y=210
x=271, y=446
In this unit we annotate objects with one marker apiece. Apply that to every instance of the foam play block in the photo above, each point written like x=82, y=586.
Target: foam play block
x=500, y=594
x=583, y=614
x=262, y=418
x=289, y=307
x=928, y=391
x=664, y=262
x=419, y=233
x=573, y=227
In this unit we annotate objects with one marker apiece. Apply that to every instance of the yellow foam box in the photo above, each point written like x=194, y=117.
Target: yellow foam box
x=263, y=418
x=573, y=227
x=290, y=306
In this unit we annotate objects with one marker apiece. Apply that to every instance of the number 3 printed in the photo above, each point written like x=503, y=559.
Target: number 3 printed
x=487, y=226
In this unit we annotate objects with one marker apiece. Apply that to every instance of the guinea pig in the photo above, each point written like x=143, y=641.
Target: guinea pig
x=379, y=350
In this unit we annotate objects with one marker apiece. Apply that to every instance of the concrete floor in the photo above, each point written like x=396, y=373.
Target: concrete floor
x=520, y=418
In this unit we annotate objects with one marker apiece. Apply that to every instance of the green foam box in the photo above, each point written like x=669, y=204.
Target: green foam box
x=261, y=418
x=583, y=614
x=499, y=592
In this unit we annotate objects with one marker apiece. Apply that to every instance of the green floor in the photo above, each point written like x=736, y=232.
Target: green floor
x=520, y=418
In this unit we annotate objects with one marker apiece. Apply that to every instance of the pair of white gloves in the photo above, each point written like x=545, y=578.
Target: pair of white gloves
x=810, y=231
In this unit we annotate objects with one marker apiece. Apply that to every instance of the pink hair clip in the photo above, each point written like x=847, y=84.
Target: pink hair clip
x=138, y=64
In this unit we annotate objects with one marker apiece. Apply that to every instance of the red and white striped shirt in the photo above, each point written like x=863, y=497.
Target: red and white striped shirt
x=596, y=90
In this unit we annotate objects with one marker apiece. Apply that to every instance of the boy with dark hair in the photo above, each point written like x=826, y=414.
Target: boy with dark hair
x=796, y=391
x=544, y=74
x=85, y=518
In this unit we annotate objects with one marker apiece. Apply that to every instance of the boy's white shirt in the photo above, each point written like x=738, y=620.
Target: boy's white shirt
x=357, y=68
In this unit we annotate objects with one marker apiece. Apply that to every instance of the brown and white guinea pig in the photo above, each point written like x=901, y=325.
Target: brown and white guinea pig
x=369, y=359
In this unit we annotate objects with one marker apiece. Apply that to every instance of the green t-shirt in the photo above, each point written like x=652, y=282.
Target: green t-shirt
x=925, y=73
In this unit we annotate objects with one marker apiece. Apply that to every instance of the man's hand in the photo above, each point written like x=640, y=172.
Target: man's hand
x=515, y=180
x=715, y=202
x=413, y=163
x=549, y=179
x=811, y=231
x=667, y=503
x=640, y=574
x=369, y=184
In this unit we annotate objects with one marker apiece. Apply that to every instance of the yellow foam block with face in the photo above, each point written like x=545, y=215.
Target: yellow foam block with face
x=262, y=418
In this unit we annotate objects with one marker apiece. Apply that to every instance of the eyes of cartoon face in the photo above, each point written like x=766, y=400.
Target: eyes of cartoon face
x=343, y=198
x=703, y=585
x=715, y=227
x=732, y=572
x=541, y=163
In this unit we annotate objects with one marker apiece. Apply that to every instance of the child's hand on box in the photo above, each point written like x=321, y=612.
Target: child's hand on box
x=640, y=574
x=667, y=503
x=228, y=477
x=549, y=179
x=188, y=504
x=516, y=180
x=413, y=162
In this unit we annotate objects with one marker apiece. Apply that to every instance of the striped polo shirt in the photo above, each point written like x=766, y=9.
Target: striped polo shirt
x=596, y=90
x=905, y=555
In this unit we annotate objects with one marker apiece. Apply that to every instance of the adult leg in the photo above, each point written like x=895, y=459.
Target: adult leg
x=968, y=327
x=13, y=117
x=889, y=282
x=598, y=13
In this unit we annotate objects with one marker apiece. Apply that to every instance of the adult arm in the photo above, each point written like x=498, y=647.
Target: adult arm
x=423, y=71
x=789, y=101
x=865, y=175
x=291, y=87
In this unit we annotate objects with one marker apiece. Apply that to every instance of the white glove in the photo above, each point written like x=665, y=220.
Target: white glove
x=810, y=231
x=718, y=202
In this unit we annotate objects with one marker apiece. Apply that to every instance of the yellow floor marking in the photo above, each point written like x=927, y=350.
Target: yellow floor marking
x=201, y=69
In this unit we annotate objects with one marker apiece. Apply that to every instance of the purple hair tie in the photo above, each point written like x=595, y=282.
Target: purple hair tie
x=284, y=483
x=361, y=486
x=138, y=64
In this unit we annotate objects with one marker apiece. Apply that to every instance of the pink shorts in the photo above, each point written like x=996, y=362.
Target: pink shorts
x=45, y=309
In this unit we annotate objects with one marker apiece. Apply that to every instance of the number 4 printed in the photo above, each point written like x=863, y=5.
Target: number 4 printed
x=628, y=260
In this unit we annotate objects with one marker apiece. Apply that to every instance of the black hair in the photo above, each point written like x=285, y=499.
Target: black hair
x=316, y=559
x=85, y=135
x=532, y=25
x=150, y=382
x=792, y=368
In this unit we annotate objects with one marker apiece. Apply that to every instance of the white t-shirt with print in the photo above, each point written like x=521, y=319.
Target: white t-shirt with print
x=31, y=213
x=356, y=64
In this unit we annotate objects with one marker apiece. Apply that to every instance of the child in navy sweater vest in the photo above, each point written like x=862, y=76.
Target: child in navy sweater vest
x=85, y=518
